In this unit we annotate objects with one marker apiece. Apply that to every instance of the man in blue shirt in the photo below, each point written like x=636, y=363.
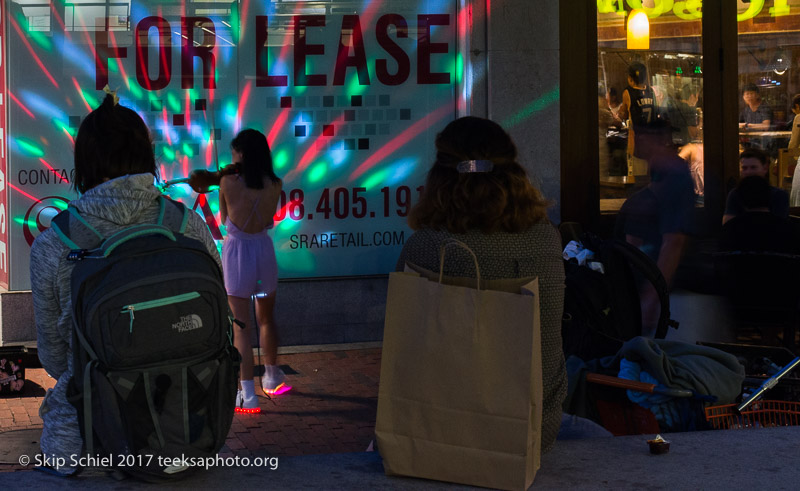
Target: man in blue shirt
x=755, y=115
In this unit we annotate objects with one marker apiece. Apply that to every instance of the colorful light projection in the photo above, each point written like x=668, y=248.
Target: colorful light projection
x=350, y=105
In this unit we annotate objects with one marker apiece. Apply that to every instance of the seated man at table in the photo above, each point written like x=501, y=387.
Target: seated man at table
x=756, y=229
x=755, y=115
x=755, y=162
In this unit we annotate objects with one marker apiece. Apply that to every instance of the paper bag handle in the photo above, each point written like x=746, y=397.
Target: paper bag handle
x=443, y=248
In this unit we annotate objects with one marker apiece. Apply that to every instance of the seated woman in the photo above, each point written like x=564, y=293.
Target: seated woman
x=478, y=193
x=247, y=204
x=115, y=171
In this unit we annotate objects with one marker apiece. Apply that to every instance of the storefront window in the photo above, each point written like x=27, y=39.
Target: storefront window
x=350, y=95
x=650, y=95
x=768, y=82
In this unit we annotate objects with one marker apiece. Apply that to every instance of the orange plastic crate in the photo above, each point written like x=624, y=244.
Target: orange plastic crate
x=761, y=414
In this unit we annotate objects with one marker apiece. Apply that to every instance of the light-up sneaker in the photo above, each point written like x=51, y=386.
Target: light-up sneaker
x=274, y=381
x=246, y=406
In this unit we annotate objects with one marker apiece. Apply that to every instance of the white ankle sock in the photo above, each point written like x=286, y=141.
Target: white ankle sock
x=248, y=388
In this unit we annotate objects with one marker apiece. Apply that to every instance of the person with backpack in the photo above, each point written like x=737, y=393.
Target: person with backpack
x=115, y=172
x=248, y=201
x=657, y=218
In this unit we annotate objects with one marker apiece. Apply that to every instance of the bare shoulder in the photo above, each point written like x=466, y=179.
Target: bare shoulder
x=230, y=181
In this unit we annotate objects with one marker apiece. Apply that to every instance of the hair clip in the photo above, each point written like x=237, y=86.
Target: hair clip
x=113, y=93
x=469, y=166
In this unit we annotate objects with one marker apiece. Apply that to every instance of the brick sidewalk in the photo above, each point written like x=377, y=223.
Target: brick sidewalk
x=331, y=408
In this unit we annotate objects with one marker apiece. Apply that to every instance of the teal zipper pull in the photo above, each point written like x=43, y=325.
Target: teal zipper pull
x=130, y=309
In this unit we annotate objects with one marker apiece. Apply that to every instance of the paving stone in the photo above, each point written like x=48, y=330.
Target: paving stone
x=331, y=408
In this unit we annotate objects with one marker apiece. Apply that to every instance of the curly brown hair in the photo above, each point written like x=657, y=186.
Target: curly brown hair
x=500, y=200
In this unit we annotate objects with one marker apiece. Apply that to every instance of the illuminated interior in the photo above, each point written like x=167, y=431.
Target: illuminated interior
x=768, y=54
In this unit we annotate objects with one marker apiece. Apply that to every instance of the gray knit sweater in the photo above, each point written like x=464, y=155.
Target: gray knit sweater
x=109, y=207
x=535, y=252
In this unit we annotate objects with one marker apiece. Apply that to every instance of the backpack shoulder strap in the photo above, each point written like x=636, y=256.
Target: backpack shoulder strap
x=642, y=263
x=172, y=214
x=75, y=231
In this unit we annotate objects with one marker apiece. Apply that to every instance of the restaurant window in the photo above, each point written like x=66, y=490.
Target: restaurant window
x=662, y=72
x=768, y=81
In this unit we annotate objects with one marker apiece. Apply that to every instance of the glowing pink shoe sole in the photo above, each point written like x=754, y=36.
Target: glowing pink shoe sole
x=280, y=389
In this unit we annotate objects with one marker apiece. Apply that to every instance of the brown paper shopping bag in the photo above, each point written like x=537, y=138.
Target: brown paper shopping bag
x=460, y=397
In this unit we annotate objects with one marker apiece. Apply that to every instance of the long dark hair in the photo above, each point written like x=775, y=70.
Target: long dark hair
x=112, y=141
x=500, y=200
x=256, y=158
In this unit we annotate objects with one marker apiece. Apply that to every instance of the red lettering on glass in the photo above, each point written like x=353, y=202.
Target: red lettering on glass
x=302, y=49
x=393, y=49
x=164, y=53
x=263, y=78
x=203, y=50
x=351, y=25
x=425, y=48
x=102, y=54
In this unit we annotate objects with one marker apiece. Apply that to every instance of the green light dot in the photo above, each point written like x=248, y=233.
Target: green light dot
x=230, y=109
x=187, y=150
x=353, y=87
x=64, y=127
x=375, y=179
x=42, y=40
x=173, y=103
x=287, y=224
x=29, y=148
x=168, y=153
x=133, y=88
x=90, y=99
x=317, y=172
x=280, y=159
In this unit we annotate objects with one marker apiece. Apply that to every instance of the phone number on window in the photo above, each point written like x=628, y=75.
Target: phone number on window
x=341, y=203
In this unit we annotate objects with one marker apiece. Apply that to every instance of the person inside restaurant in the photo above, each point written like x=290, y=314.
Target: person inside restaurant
x=640, y=106
x=755, y=115
x=756, y=229
x=794, y=143
x=755, y=162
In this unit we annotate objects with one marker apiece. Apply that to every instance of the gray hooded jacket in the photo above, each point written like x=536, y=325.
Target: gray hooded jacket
x=109, y=207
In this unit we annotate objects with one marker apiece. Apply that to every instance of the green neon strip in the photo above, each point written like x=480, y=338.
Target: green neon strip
x=547, y=99
x=29, y=148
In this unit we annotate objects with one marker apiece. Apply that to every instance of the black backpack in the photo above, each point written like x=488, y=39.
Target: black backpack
x=154, y=367
x=603, y=310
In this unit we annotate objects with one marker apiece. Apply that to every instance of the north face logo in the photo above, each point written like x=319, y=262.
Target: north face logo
x=188, y=323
